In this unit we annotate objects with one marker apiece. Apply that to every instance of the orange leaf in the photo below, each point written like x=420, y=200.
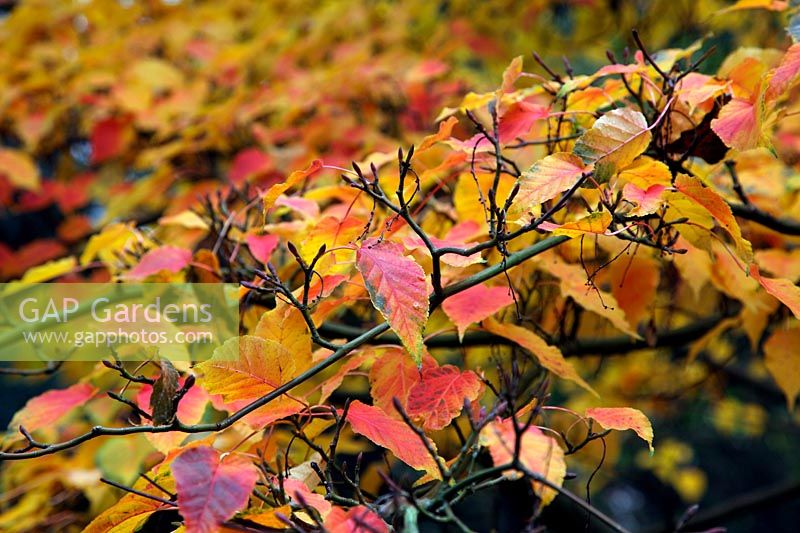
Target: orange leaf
x=718, y=208
x=49, y=407
x=397, y=288
x=294, y=179
x=475, y=304
x=597, y=223
x=518, y=120
x=550, y=357
x=20, y=169
x=615, y=140
x=545, y=179
x=445, y=131
x=622, y=418
x=439, y=396
x=358, y=519
x=210, y=489
x=392, y=434
x=539, y=453
x=393, y=375
x=782, y=289
x=783, y=362
x=169, y=258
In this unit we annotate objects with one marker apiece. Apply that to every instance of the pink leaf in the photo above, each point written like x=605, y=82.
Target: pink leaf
x=397, y=288
x=168, y=258
x=518, y=120
x=247, y=164
x=48, y=408
x=262, y=246
x=210, y=489
x=475, y=304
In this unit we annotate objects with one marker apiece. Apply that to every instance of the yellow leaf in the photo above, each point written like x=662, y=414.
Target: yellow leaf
x=549, y=357
x=783, y=362
x=20, y=169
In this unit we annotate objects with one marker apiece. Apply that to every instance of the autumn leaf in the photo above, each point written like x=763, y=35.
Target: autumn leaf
x=550, y=357
x=783, y=362
x=476, y=304
x=518, y=120
x=248, y=367
x=439, y=396
x=393, y=375
x=262, y=246
x=357, y=519
x=459, y=236
x=545, y=179
x=393, y=434
x=162, y=399
x=20, y=169
x=51, y=406
x=293, y=180
x=615, y=140
x=622, y=418
x=539, y=453
x=783, y=289
x=132, y=509
x=444, y=132
x=397, y=287
x=597, y=223
x=717, y=208
x=210, y=488
x=166, y=258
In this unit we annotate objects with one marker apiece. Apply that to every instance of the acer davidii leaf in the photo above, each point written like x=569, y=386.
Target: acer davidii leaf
x=475, y=304
x=615, y=140
x=622, y=418
x=439, y=395
x=398, y=288
x=211, y=488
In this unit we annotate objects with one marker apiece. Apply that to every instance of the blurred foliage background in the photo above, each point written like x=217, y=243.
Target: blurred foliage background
x=126, y=110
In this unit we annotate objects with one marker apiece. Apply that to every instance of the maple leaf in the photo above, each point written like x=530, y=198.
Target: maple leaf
x=518, y=120
x=783, y=289
x=357, y=519
x=132, y=509
x=211, y=489
x=398, y=289
x=719, y=209
x=783, y=362
x=393, y=434
x=165, y=258
x=19, y=168
x=439, y=396
x=475, y=304
x=248, y=367
x=49, y=407
x=539, y=453
x=292, y=180
x=545, y=179
x=622, y=418
x=393, y=375
x=550, y=357
x=596, y=222
x=615, y=140
x=262, y=246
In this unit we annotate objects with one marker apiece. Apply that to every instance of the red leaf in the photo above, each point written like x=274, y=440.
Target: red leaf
x=109, y=138
x=476, y=304
x=518, y=119
x=262, y=246
x=397, y=288
x=48, y=408
x=247, y=164
x=358, y=519
x=210, y=489
x=392, y=376
x=392, y=434
x=169, y=258
x=439, y=396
